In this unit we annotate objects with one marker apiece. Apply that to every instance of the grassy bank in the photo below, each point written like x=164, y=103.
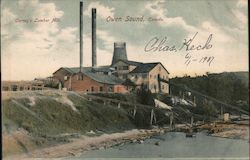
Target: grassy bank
x=38, y=119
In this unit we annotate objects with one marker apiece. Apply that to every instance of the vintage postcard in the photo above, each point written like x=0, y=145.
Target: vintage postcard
x=129, y=79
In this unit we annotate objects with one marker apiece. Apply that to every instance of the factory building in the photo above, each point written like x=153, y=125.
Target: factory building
x=151, y=76
x=90, y=80
x=111, y=78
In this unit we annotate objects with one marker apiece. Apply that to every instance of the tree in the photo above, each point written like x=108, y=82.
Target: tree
x=129, y=84
x=144, y=96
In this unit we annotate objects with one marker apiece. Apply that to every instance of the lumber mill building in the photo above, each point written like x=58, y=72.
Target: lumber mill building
x=112, y=78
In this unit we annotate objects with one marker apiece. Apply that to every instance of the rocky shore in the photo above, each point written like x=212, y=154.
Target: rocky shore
x=86, y=143
x=238, y=130
x=91, y=141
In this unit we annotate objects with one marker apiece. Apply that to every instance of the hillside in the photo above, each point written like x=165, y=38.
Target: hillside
x=36, y=119
x=229, y=87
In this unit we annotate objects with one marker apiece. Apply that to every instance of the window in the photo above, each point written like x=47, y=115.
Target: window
x=21, y=88
x=152, y=86
x=5, y=88
x=101, y=89
x=92, y=89
x=14, y=87
x=80, y=77
x=124, y=76
x=124, y=67
x=162, y=86
x=155, y=87
x=150, y=76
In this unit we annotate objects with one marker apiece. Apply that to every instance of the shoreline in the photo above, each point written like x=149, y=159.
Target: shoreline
x=227, y=130
x=85, y=143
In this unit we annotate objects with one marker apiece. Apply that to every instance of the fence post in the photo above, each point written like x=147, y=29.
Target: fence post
x=194, y=101
x=154, y=118
x=134, y=111
x=171, y=121
x=151, y=116
x=192, y=121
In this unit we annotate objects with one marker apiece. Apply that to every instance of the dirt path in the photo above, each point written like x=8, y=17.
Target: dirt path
x=88, y=143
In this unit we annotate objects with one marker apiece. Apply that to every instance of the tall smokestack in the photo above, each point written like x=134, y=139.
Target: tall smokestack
x=119, y=52
x=81, y=25
x=93, y=37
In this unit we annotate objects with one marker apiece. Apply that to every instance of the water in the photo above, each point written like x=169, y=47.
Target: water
x=174, y=144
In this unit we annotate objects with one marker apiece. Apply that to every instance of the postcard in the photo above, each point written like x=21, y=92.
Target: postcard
x=111, y=79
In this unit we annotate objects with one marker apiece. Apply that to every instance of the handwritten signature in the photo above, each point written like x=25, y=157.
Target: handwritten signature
x=160, y=45
x=157, y=44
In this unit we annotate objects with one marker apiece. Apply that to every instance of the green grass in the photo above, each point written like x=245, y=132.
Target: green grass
x=53, y=118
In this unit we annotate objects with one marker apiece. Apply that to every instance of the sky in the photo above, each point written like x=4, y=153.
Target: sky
x=31, y=49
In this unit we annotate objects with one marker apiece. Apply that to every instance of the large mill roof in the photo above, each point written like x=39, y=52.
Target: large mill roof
x=96, y=69
x=146, y=67
x=92, y=73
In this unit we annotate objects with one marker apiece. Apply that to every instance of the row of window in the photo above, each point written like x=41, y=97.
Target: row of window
x=92, y=89
x=155, y=76
x=150, y=76
x=138, y=76
x=79, y=77
x=121, y=68
x=154, y=86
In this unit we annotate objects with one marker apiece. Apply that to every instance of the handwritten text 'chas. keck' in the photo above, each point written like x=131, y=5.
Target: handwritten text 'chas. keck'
x=157, y=44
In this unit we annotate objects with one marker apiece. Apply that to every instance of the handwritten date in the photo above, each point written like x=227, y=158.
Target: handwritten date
x=205, y=59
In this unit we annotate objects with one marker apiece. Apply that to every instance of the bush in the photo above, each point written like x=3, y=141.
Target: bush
x=144, y=96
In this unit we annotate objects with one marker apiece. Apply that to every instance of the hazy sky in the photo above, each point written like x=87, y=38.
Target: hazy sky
x=32, y=49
